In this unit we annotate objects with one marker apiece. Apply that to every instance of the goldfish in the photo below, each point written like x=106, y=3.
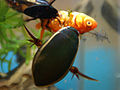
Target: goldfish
x=80, y=21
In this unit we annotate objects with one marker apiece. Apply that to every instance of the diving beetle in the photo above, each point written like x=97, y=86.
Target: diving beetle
x=55, y=57
x=34, y=8
x=45, y=10
x=53, y=20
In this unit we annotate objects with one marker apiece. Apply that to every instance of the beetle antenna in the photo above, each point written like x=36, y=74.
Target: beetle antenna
x=51, y=2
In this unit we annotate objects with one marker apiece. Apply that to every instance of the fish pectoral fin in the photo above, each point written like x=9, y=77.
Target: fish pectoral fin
x=38, y=26
x=76, y=72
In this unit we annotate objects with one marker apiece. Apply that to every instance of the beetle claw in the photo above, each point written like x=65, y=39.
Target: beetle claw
x=72, y=76
x=76, y=72
x=77, y=76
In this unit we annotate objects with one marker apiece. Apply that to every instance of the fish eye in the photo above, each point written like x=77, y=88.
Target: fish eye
x=89, y=23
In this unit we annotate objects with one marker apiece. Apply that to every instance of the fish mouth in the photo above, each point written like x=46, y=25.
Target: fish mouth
x=95, y=25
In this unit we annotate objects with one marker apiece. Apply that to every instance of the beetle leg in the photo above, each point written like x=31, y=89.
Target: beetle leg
x=30, y=19
x=36, y=41
x=44, y=23
x=58, y=20
x=41, y=33
x=76, y=72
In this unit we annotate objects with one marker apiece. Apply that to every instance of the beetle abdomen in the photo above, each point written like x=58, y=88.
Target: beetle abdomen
x=41, y=11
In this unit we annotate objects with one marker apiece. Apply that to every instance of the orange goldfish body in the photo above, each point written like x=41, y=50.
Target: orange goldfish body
x=80, y=21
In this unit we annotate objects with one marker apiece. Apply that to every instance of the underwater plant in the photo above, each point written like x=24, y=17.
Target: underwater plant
x=13, y=38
